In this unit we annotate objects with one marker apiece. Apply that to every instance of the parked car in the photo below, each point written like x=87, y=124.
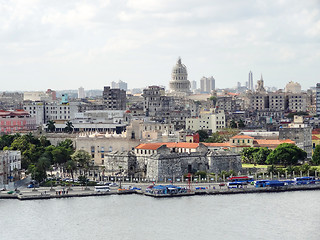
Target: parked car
x=113, y=184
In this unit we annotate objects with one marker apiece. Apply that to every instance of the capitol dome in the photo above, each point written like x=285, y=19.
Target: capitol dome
x=179, y=79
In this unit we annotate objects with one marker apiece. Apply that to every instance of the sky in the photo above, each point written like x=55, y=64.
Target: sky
x=67, y=44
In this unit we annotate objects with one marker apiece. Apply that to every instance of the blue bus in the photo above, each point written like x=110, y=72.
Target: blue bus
x=304, y=180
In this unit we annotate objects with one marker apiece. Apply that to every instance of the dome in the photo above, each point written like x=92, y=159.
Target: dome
x=179, y=78
x=179, y=71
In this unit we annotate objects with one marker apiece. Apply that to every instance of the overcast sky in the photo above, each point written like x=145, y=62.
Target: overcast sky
x=65, y=44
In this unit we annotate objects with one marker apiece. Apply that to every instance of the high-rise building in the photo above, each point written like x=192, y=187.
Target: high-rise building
x=250, y=81
x=120, y=84
x=193, y=85
x=115, y=99
x=207, y=84
x=81, y=93
x=318, y=98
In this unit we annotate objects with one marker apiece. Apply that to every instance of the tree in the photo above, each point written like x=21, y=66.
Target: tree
x=261, y=155
x=247, y=154
x=69, y=127
x=286, y=154
x=316, y=156
x=203, y=135
x=81, y=157
x=51, y=126
x=213, y=99
x=71, y=166
x=241, y=124
x=215, y=138
x=233, y=124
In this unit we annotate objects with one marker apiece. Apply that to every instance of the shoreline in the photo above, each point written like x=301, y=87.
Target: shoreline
x=38, y=195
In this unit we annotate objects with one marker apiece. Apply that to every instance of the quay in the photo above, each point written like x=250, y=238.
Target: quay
x=44, y=194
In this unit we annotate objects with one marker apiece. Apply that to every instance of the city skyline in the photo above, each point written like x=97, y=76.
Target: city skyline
x=79, y=43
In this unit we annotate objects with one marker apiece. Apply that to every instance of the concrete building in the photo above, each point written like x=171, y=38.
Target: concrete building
x=300, y=133
x=98, y=145
x=16, y=121
x=293, y=87
x=237, y=143
x=37, y=96
x=46, y=111
x=193, y=85
x=318, y=98
x=81, y=93
x=10, y=163
x=115, y=99
x=120, y=84
x=297, y=102
x=151, y=131
x=155, y=101
x=179, y=84
x=207, y=84
x=212, y=121
x=277, y=101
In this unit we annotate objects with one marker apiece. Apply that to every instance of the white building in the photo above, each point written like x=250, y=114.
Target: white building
x=46, y=111
x=10, y=161
x=37, y=96
x=207, y=84
x=212, y=120
x=81, y=93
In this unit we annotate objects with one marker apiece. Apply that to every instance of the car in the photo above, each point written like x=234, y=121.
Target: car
x=113, y=184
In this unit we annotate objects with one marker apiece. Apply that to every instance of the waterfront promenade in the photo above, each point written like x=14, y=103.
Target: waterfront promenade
x=79, y=191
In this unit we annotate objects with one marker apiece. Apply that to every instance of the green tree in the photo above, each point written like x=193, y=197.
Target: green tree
x=71, y=166
x=233, y=124
x=215, y=138
x=241, y=124
x=81, y=157
x=286, y=154
x=213, y=99
x=69, y=127
x=247, y=154
x=316, y=156
x=51, y=126
x=261, y=155
x=60, y=155
x=203, y=135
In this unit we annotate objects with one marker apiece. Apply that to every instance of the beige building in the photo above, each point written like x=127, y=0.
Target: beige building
x=212, y=120
x=100, y=144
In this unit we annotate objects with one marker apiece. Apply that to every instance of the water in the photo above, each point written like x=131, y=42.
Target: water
x=289, y=215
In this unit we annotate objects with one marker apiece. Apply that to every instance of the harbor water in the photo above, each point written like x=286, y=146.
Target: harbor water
x=287, y=215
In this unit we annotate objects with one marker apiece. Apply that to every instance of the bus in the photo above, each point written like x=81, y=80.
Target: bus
x=247, y=179
x=236, y=184
x=102, y=189
x=304, y=180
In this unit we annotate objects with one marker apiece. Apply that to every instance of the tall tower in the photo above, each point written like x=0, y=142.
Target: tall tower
x=81, y=93
x=179, y=83
x=250, y=81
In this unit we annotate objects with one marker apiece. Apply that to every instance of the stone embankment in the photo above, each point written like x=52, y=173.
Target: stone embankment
x=42, y=195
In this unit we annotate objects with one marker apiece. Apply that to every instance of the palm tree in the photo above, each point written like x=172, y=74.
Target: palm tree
x=69, y=127
x=50, y=125
x=71, y=167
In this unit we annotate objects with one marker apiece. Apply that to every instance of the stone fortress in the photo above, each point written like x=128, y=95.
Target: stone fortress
x=161, y=161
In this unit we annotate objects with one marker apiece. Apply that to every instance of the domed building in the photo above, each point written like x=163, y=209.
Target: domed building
x=293, y=87
x=179, y=83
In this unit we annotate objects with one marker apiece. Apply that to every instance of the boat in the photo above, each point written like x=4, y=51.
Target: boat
x=168, y=191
